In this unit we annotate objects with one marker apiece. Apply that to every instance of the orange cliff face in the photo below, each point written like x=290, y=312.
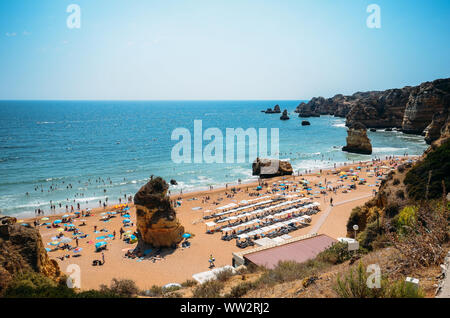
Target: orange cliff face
x=22, y=250
x=156, y=218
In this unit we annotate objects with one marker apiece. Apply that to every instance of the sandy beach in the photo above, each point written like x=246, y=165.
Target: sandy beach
x=176, y=266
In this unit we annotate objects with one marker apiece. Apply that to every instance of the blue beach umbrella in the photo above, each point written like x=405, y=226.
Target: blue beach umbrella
x=57, y=221
x=186, y=235
x=100, y=244
x=126, y=215
x=77, y=250
x=126, y=221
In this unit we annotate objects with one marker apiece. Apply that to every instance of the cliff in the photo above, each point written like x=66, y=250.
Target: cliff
x=157, y=223
x=410, y=109
x=22, y=250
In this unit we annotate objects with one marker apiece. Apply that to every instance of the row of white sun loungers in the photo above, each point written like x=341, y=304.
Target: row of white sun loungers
x=261, y=211
x=267, y=229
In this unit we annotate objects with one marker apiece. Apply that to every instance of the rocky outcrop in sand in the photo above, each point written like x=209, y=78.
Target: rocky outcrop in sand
x=21, y=250
x=157, y=223
x=410, y=109
x=357, y=140
x=267, y=168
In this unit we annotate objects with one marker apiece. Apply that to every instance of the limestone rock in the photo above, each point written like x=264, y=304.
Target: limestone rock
x=284, y=116
x=157, y=223
x=410, y=109
x=424, y=101
x=21, y=249
x=267, y=168
x=357, y=140
x=276, y=110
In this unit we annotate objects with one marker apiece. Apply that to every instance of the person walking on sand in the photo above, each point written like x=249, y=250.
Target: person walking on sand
x=211, y=261
x=114, y=234
x=121, y=231
x=76, y=241
x=331, y=201
x=103, y=258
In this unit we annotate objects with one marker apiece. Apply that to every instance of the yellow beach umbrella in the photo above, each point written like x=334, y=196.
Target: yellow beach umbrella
x=45, y=219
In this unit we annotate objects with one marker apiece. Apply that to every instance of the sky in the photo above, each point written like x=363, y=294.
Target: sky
x=218, y=49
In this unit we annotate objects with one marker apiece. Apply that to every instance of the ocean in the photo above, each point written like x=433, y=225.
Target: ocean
x=111, y=148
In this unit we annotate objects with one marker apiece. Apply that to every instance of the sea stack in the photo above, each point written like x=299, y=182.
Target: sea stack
x=284, y=116
x=157, y=223
x=357, y=140
x=268, y=168
x=276, y=110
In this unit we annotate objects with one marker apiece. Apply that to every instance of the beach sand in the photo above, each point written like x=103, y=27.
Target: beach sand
x=179, y=265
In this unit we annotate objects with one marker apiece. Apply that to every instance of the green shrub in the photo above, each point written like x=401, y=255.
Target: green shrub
x=369, y=235
x=416, y=179
x=354, y=285
x=401, y=289
x=391, y=210
x=290, y=270
x=189, y=283
x=209, y=289
x=240, y=290
x=335, y=254
x=224, y=275
x=358, y=217
x=122, y=287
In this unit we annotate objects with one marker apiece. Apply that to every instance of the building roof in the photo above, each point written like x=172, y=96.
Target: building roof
x=299, y=251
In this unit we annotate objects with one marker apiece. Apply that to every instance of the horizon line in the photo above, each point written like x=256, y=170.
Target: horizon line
x=149, y=100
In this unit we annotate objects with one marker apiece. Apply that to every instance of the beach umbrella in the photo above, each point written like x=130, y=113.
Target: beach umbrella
x=45, y=219
x=100, y=244
x=66, y=240
x=70, y=225
x=77, y=250
x=66, y=216
x=20, y=221
x=186, y=235
x=83, y=220
x=60, y=230
x=57, y=221
x=126, y=215
x=77, y=212
x=126, y=221
x=47, y=249
x=54, y=243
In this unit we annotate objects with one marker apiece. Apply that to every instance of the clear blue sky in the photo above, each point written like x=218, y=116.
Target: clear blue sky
x=218, y=49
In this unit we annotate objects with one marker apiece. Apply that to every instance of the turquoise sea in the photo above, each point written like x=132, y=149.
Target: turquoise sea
x=114, y=146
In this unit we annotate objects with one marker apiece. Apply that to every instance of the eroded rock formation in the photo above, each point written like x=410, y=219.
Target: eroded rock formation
x=156, y=218
x=409, y=109
x=21, y=250
x=267, y=168
x=276, y=110
x=284, y=116
x=357, y=140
